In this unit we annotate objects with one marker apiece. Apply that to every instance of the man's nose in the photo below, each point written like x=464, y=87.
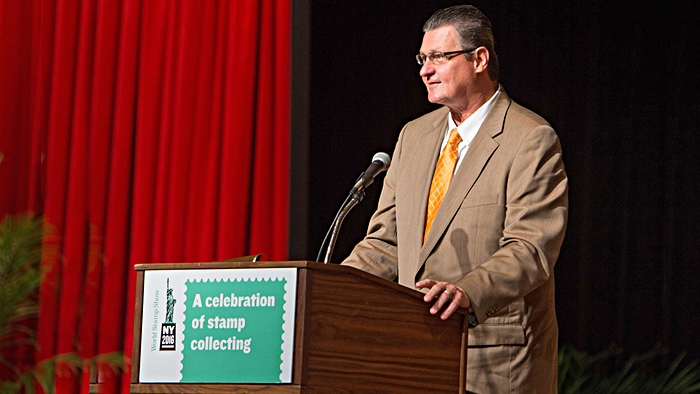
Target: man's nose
x=427, y=69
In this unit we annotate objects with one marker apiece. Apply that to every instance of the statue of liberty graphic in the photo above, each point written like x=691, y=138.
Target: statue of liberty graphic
x=168, y=329
x=170, y=306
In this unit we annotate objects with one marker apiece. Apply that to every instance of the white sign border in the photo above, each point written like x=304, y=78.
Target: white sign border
x=166, y=367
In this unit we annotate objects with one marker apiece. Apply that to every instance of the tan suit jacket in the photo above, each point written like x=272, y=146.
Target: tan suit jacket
x=496, y=235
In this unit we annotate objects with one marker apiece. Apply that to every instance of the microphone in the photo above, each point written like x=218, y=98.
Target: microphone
x=380, y=162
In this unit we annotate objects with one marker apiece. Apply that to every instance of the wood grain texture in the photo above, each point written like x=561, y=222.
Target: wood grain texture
x=138, y=317
x=369, y=338
x=463, y=359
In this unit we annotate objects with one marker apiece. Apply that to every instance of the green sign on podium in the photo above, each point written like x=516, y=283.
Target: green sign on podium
x=218, y=326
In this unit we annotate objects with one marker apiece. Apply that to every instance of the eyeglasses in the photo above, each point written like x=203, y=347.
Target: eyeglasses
x=439, y=57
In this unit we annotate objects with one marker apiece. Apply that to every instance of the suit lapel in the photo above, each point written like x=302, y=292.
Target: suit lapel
x=476, y=158
x=422, y=165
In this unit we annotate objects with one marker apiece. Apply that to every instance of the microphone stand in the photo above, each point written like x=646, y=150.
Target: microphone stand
x=355, y=198
x=380, y=162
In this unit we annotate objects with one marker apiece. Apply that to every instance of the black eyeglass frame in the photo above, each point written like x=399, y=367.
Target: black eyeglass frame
x=421, y=58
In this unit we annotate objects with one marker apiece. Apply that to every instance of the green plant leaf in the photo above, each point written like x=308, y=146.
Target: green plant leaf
x=611, y=372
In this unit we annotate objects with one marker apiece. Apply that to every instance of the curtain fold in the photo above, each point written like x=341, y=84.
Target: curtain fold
x=146, y=131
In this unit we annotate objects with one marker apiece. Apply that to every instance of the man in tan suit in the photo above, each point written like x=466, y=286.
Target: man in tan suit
x=486, y=236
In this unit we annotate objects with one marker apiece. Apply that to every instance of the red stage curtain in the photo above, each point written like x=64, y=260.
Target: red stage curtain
x=144, y=131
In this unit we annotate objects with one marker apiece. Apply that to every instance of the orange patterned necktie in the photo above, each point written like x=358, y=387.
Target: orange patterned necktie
x=442, y=177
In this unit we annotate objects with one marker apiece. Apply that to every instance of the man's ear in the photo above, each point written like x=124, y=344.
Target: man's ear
x=481, y=58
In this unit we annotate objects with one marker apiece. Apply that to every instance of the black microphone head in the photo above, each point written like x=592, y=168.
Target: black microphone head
x=383, y=158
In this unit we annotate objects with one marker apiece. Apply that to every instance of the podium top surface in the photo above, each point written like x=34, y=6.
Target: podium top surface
x=286, y=264
x=232, y=264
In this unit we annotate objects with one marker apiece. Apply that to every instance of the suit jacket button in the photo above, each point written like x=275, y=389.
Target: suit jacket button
x=492, y=311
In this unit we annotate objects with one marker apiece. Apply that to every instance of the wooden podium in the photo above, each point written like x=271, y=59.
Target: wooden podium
x=354, y=333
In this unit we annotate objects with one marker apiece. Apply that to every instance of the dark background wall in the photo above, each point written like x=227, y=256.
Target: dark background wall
x=619, y=84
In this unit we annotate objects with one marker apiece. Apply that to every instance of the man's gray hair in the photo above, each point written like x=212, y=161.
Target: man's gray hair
x=473, y=29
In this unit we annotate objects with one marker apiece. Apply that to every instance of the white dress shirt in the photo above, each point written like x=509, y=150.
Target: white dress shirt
x=467, y=130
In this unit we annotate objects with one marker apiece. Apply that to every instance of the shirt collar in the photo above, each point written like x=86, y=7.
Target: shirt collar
x=467, y=130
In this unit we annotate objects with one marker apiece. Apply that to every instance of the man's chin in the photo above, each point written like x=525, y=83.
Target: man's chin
x=435, y=100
